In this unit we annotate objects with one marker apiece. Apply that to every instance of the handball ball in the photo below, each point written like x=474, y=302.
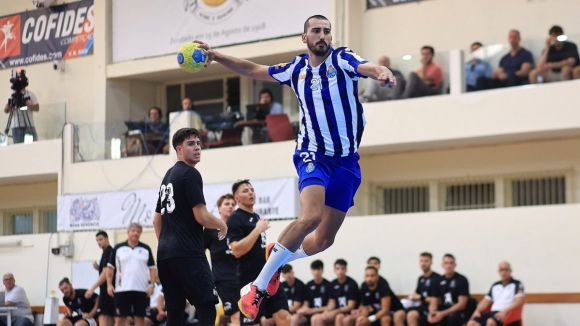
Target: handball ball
x=191, y=57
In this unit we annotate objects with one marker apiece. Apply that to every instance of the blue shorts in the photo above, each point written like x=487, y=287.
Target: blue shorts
x=340, y=176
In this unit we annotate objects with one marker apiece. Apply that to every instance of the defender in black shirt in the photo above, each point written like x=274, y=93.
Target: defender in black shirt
x=106, y=310
x=247, y=236
x=75, y=301
x=223, y=262
x=317, y=295
x=426, y=285
x=448, y=305
x=344, y=297
x=378, y=305
x=180, y=216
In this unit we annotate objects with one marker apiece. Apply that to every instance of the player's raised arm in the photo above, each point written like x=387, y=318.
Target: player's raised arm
x=380, y=73
x=239, y=66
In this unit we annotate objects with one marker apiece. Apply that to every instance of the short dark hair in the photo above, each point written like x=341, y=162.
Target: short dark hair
x=286, y=269
x=238, y=183
x=156, y=109
x=103, y=233
x=317, y=264
x=556, y=30
x=373, y=258
x=64, y=280
x=267, y=91
x=340, y=262
x=314, y=17
x=430, y=48
x=373, y=268
x=449, y=256
x=426, y=254
x=224, y=197
x=182, y=134
x=476, y=43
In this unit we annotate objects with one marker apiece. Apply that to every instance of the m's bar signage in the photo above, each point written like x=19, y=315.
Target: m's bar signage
x=372, y=4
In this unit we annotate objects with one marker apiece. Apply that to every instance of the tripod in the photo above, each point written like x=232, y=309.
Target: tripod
x=24, y=126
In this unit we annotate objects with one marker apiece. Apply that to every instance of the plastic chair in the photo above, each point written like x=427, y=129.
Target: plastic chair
x=279, y=127
x=512, y=316
x=230, y=137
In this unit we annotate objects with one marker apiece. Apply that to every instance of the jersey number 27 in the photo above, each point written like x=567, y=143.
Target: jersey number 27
x=167, y=192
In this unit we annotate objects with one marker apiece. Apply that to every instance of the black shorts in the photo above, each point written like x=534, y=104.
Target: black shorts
x=106, y=305
x=423, y=310
x=151, y=314
x=482, y=320
x=186, y=278
x=228, y=292
x=131, y=303
x=90, y=322
x=269, y=306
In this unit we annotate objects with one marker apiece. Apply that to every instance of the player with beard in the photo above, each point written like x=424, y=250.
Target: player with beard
x=325, y=81
x=76, y=303
x=223, y=263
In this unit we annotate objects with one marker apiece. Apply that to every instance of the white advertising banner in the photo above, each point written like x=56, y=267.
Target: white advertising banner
x=275, y=198
x=149, y=28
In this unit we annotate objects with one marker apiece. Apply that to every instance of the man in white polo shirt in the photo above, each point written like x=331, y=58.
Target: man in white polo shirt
x=15, y=296
x=506, y=295
x=133, y=266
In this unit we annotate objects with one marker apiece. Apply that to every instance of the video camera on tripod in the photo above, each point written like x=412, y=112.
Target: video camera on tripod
x=17, y=103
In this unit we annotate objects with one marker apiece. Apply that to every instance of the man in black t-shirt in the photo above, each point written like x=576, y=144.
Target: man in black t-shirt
x=559, y=60
x=426, y=285
x=76, y=303
x=247, y=237
x=376, y=263
x=378, y=305
x=447, y=306
x=106, y=310
x=224, y=264
x=179, y=219
x=344, y=297
x=294, y=288
x=316, y=298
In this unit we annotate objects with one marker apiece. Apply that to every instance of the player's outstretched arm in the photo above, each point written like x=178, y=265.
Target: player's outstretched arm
x=237, y=65
x=205, y=218
x=380, y=73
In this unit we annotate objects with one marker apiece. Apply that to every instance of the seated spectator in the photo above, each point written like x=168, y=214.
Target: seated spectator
x=316, y=298
x=15, y=296
x=374, y=92
x=267, y=98
x=514, y=67
x=447, y=306
x=379, y=305
x=559, y=60
x=199, y=119
x=426, y=285
x=151, y=126
x=80, y=311
x=476, y=67
x=294, y=288
x=428, y=79
x=504, y=296
x=344, y=297
x=376, y=263
x=153, y=315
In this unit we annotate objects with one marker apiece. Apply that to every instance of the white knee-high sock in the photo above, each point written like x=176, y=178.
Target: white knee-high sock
x=297, y=255
x=277, y=258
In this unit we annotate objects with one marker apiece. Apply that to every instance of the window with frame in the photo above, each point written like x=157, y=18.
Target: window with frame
x=539, y=191
x=22, y=223
x=401, y=200
x=469, y=196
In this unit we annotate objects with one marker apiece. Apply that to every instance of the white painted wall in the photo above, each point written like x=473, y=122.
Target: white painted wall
x=540, y=242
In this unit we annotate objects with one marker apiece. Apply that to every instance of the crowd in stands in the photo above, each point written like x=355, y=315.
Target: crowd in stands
x=558, y=61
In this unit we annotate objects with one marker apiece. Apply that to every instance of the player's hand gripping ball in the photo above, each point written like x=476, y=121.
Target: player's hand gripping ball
x=191, y=57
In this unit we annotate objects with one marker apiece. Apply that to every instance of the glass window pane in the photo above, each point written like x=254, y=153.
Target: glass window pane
x=22, y=224
x=51, y=220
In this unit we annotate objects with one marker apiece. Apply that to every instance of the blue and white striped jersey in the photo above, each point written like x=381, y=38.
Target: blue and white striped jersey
x=332, y=118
